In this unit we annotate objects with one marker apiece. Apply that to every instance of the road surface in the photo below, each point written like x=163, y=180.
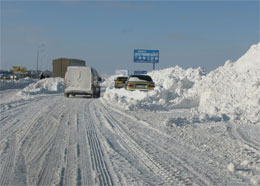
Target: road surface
x=53, y=140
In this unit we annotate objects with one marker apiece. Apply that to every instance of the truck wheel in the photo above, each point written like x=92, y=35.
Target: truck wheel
x=66, y=95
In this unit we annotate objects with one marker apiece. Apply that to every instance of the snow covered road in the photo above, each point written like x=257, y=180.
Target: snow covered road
x=52, y=140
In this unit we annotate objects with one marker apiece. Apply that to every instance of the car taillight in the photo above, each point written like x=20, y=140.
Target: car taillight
x=151, y=85
x=129, y=85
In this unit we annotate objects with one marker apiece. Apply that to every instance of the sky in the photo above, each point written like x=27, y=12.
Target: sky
x=105, y=33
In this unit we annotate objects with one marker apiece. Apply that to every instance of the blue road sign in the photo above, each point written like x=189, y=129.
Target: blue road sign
x=139, y=72
x=146, y=56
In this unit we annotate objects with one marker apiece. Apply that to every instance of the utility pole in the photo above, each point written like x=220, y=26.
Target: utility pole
x=42, y=58
x=39, y=49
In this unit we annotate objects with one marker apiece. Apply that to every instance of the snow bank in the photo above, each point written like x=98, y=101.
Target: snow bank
x=44, y=86
x=15, y=84
x=231, y=92
x=170, y=85
x=109, y=81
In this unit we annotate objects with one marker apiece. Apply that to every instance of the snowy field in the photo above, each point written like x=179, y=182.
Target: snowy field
x=15, y=84
x=194, y=129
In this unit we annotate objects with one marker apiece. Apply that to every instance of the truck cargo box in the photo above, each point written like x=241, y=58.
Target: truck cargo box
x=60, y=65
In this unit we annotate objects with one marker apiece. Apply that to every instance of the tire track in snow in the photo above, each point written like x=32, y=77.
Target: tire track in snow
x=84, y=174
x=52, y=158
x=38, y=146
x=15, y=119
x=180, y=169
x=198, y=163
x=236, y=133
x=102, y=175
x=14, y=106
x=70, y=157
x=53, y=146
x=6, y=169
x=178, y=173
x=249, y=151
x=250, y=148
x=137, y=151
x=21, y=130
x=43, y=124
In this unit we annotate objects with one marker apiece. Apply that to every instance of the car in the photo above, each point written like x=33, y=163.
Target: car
x=120, y=81
x=140, y=82
x=80, y=80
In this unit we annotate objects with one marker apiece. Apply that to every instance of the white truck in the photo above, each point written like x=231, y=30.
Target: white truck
x=80, y=80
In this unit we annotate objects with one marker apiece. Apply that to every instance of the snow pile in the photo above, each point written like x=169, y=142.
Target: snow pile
x=176, y=78
x=233, y=90
x=44, y=86
x=170, y=83
x=15, y=84
x=109, y=81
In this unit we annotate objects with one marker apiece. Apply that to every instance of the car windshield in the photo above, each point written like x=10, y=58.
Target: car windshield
x=140, y=78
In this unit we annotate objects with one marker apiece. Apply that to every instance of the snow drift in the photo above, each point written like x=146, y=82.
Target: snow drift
x=231, y=92
x=44, y=86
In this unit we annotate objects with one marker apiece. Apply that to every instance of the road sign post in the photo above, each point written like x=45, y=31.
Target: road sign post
x=146, y=56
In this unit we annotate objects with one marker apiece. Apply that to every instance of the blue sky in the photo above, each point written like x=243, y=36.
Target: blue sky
x=187, y=34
